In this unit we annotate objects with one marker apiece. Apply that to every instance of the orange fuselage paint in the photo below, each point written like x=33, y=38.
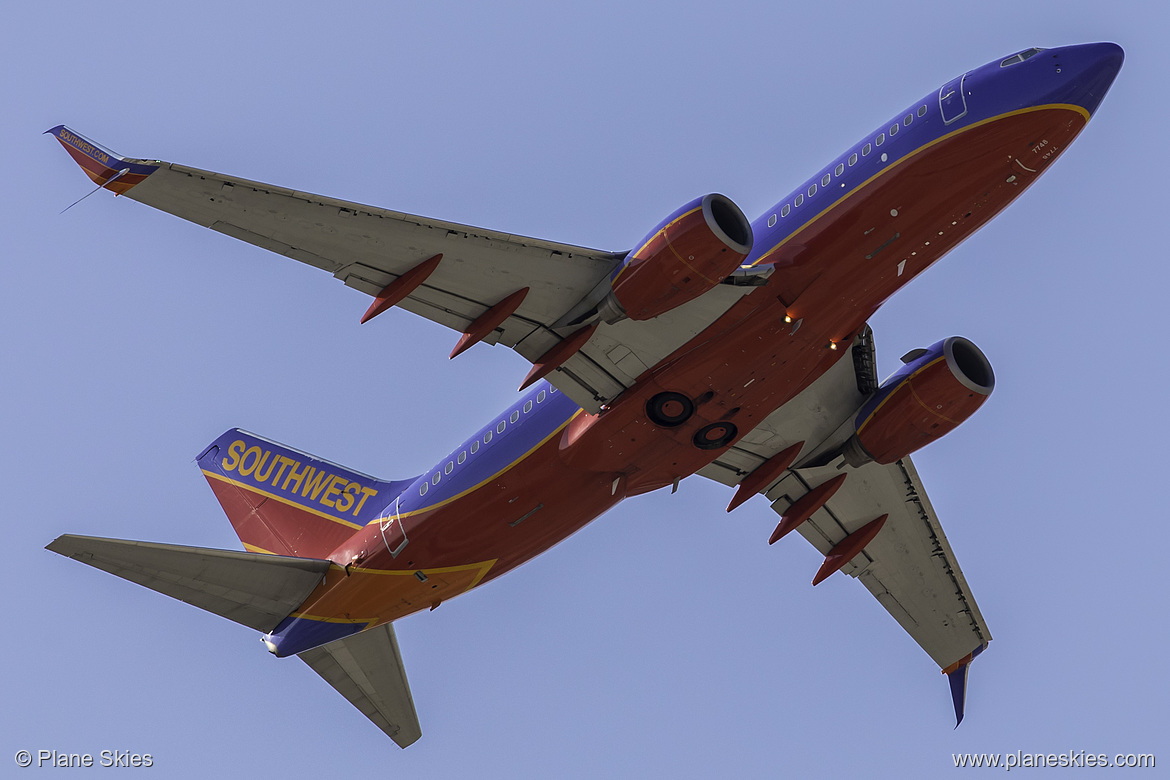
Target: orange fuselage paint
x=832, y=274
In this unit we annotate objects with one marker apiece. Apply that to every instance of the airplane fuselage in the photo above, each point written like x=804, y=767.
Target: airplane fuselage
x=831, y=252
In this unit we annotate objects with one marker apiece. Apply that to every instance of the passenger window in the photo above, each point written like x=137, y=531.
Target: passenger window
x=853, y=159
x=799, y=200
x=893, y=130
x=840, y=169
x=449, y=467
x=881, y=139
x=422, y=489
x=906, y=120
x=812, y=190
x=435, y=479
x=825, y=181
x=475, y=446
x=551, y=390
x=462, y=457
x=515, y=416
x=487, y=437
x=500, y=428
x=772, y=221
x=865, y=150
x=528, y=407
x=784, y=211
x=540, y=396
x=922, y=111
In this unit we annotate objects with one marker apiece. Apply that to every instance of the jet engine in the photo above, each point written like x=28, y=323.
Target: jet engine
x=690, y=252
x=937, y=389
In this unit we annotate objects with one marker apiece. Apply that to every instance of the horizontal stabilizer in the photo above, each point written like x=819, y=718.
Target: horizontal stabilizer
x=367, y=669
x=251, y=589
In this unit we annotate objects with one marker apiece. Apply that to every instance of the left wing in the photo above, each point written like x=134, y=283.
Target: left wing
x=368, y=248
x=909, y=565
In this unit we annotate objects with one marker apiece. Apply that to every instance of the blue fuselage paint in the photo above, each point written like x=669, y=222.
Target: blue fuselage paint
x=477, y=505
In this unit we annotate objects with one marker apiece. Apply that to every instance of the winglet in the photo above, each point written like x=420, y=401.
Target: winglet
x=957, y=676
x=107, y=169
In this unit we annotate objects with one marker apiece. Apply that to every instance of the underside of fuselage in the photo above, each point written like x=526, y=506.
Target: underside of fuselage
x=830, y=276
x=814, y=269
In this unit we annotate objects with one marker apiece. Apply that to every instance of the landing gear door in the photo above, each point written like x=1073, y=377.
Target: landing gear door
x=951, y=100
x=392, y=532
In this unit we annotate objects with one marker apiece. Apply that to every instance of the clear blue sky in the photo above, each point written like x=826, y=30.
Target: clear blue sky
x=132, y=339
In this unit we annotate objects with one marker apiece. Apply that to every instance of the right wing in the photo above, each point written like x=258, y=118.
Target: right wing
x=367, y=669
x=368, y=248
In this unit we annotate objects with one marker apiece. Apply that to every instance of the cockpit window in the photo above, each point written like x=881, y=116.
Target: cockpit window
x=1024, y=55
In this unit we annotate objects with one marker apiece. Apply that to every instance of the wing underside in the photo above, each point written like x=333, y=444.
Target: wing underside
x=368, y=248
x=909, y=567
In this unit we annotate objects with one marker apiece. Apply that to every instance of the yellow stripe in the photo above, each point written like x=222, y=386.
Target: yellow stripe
x=255, y=549
x=912, y=154
x=861, y=427
x=482, y=566
x=477, y=486
x=321, y=619
x=274, y=497
x=650, y=240
x=927, y=408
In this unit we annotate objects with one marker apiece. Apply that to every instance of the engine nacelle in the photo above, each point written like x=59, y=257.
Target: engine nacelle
x=690, y=252
x=924, y=400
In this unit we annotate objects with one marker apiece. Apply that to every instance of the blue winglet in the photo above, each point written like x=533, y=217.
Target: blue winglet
x=107, y=169
x=957, y=674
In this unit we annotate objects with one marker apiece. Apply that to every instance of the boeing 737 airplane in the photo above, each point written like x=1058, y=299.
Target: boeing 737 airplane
x=732, y=349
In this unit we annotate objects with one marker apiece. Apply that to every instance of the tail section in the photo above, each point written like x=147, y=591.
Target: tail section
x=261, y=591
x=286, y=502
x=367, y=669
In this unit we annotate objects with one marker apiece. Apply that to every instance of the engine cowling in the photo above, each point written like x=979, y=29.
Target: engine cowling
x=924, y=400
x=690, y=252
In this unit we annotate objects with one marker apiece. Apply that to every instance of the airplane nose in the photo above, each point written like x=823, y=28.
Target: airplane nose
x=1104, y=60
x=1092, y=67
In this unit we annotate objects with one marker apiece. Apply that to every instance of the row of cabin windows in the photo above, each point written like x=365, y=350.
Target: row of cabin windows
x=487, y=437
x=840, y=169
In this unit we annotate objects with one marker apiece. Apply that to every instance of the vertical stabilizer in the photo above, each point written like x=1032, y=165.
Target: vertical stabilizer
x=287, y=502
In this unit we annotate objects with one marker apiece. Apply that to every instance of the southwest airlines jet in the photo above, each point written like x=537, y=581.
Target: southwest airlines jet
x=734, y=349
